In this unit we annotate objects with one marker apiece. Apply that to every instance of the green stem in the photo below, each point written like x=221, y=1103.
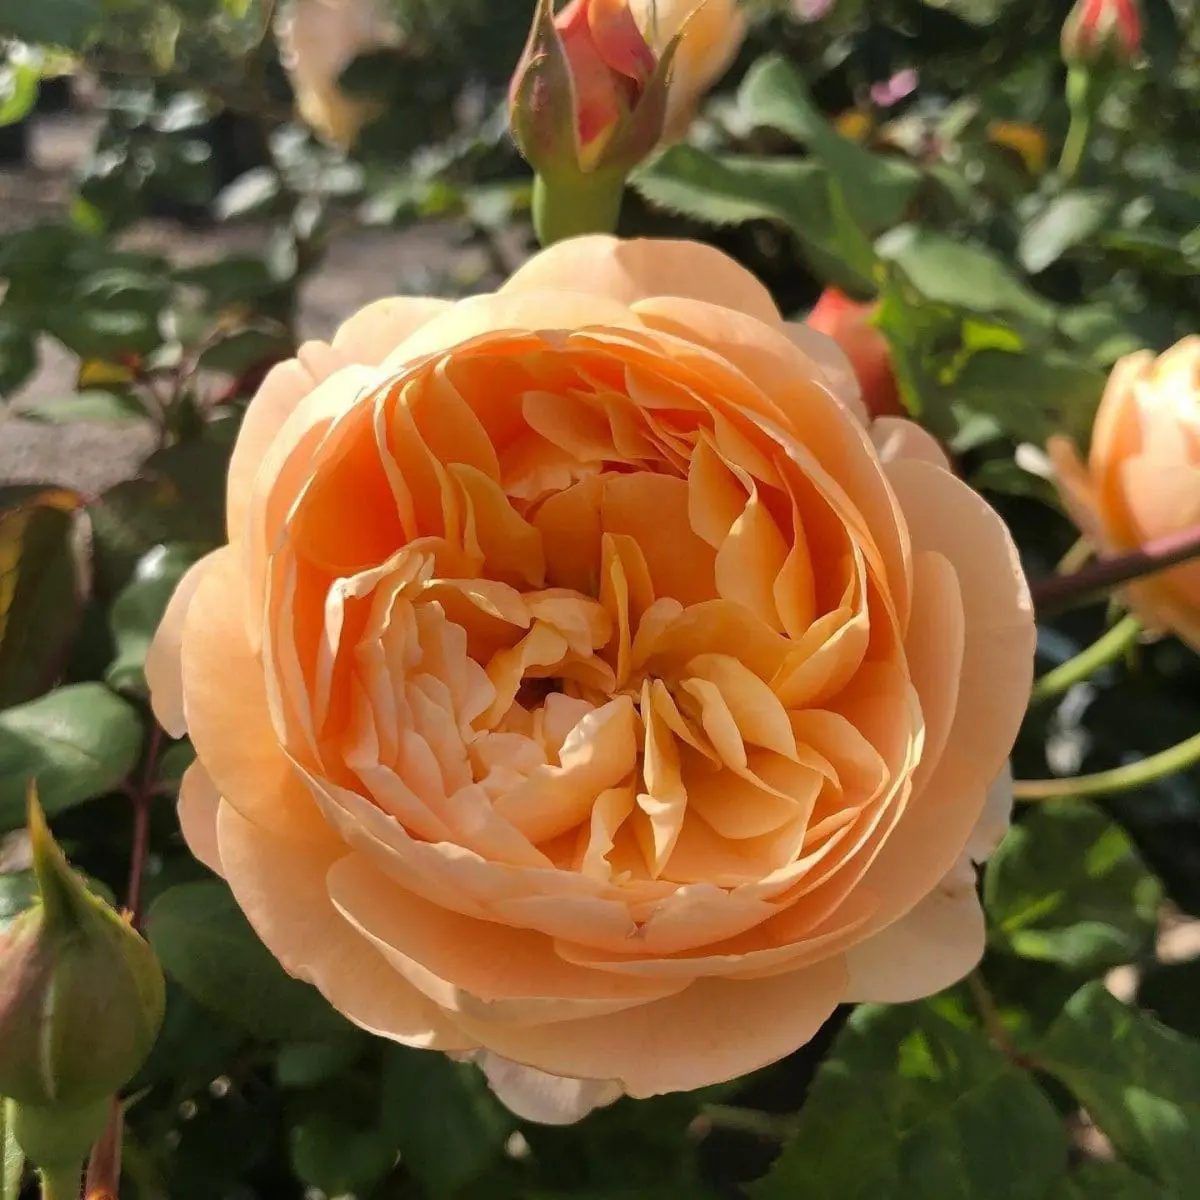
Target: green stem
x=1084, y=665
x=61, y=1184
x=566, y=208
x=750, y=1120
x=1079, y=134
x=1082, y=94
x=1121, y=779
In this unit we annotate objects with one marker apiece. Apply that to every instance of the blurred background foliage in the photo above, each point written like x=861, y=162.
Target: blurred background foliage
x=902, y=149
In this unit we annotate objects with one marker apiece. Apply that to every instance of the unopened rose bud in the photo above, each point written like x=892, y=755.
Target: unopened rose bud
x=849, y=324
x=1102, y=32
x=710, y=34
x=81, y=994
x=588, y=102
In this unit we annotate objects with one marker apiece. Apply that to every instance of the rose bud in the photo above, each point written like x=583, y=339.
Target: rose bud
x=849, y=324
x=1102, y=32
x=1141, y=481
x=710, y=35
x=81, y=1002
x=588, y=102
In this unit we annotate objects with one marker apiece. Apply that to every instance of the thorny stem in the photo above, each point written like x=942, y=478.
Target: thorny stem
x=1061, y=592
x=1120, y=779
x=989, y=1013
x=142, y=797
x=104, y=1162
x=1085, y=664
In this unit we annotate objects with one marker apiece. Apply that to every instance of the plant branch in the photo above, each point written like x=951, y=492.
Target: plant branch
x=1120, y=779
x=1085, y=664
x=1091, y=583
x=142, y=797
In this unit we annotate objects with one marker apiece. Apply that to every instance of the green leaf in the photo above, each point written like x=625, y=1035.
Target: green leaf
x=946, y=271
x=65, y=23
x=244, y=348
x=1138, y=1080
x=309, y=1064
x=40, y=592
x=179, y=498
x=908, y=1105
x=1069, y=220
x=1111, y=1181
x=248, y=195
x=332, y=1154
x=876, y=190
x=18, y=353
x=12, y=1159
x=208, y=947
x=78, y=742
x=19, y=78
x=445, y=1122
x=1067, y=886
x=95, y=404
x=733, y=189
x=111, y=312
x=139, y=608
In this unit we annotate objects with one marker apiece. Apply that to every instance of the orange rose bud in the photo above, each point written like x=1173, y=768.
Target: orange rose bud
x=1141, y=479
x=849, y=324
x=1102, y=32
x=589, y=94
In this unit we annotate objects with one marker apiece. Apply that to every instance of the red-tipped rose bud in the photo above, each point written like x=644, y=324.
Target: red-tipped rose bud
x=587, y=103
x=849, y=324
x=1102, y=32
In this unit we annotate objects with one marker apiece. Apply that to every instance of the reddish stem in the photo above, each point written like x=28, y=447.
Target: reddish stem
x=1060, y=592
x=143, y=798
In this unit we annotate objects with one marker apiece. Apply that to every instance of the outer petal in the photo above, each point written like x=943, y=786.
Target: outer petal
x=227, y=712
x=715, y=1030
x=375, y=331
x=280, y=394
x=934, y=946
x=546, y=1099
x=835, y=366
x=942, y=939
x=367, y=338
x=164, y=669
x=491, y=972
x=526, y=309
x=280, y=885
x=947, y=517
x=198, y=804
x=628, y=271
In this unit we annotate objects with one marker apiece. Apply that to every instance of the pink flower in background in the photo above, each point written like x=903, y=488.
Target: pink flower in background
x=811, y=10
x=887, y=92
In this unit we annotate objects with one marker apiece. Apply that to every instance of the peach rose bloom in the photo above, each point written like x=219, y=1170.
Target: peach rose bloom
x=586, y=688
x=713, y=33
x=318, y=40
x=1142, y=476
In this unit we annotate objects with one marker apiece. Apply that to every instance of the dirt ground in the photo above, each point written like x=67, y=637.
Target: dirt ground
x=360, y=267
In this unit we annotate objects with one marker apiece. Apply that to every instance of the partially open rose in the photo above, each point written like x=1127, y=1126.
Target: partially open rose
x=586, y=687
x=1141, y=480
